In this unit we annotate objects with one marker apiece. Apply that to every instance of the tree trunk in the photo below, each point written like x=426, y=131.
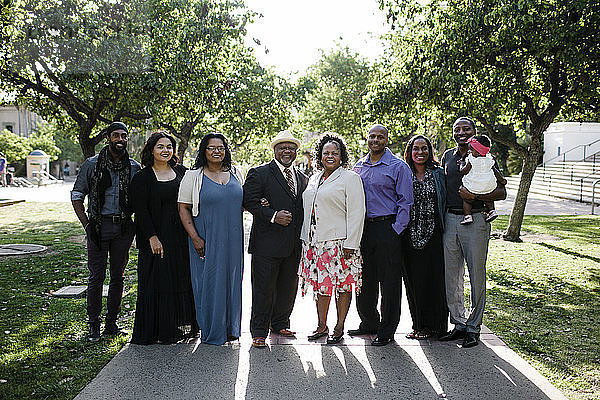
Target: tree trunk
x=513, y=232
x=183, y=145
x=184, y=136
x=86, y=142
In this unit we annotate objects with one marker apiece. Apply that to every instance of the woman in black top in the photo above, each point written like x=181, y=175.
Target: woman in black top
x=165, y=307
x=424, y=263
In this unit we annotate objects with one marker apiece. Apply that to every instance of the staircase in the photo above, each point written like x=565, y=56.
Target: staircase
x=565, y=179
x=42, y=178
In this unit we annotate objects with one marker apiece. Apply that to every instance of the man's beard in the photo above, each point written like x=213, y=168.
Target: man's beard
x=116, y=150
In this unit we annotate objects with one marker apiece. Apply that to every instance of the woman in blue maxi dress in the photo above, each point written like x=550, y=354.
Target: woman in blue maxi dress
x=215, y=237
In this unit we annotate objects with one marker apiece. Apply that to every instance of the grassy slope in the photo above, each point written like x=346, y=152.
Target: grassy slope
x=544, y=300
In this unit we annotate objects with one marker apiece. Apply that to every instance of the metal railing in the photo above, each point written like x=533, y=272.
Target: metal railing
x=594, y=194
x=547, y=180
x=563, y=155
x=581, y=187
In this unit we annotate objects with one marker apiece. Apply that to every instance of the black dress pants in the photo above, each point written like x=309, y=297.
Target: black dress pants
x=381, y=250
x=114, y=244
x=274, y=287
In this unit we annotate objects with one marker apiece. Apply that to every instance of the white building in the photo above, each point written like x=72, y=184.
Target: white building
x=19, y=120
x=571, y=141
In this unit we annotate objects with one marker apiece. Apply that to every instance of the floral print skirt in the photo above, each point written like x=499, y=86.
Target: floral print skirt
x=324, y=267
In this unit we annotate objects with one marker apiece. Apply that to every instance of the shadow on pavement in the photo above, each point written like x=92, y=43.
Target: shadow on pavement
x=310, y=371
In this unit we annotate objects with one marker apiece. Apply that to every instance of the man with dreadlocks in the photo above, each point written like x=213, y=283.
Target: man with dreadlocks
x=105, y=179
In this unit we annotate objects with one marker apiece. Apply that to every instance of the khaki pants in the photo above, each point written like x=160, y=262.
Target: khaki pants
x=465, y=244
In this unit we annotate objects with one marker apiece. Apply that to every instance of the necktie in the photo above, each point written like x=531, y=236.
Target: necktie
x=290, y=180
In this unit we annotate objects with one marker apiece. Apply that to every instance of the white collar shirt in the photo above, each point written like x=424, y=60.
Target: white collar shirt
x=291, y=168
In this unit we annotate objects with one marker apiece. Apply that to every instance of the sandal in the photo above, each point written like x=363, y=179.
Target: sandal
x=285, y=332
x=259, y=342
x=316, y=334
x=334, y=338
x=231, y=338
x=419, y=335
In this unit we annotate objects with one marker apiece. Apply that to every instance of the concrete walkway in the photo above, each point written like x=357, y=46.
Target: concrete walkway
x=57, y=192
x=298, y=369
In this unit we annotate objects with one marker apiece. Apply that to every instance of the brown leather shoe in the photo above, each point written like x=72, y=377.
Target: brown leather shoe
x=285, y=332
x=259, y=342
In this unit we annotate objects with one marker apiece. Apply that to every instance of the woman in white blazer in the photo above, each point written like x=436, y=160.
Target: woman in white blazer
x=334, y=213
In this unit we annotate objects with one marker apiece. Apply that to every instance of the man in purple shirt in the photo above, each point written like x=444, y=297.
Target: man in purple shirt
x=389, y=195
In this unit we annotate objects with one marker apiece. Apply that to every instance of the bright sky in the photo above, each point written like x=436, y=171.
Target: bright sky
x=293, y=31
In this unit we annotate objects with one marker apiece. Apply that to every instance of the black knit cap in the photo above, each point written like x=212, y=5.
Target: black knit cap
x=115, y=126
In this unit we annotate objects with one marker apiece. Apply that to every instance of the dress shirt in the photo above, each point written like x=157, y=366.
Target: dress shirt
x=282, y=168
x=291, y=168
x=81, y=188
x=388, y=188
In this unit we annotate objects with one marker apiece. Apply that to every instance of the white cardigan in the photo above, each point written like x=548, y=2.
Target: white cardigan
x=339, y=205
x=189, y=189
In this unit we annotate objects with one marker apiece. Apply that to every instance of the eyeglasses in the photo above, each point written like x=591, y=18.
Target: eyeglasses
x=213, y=148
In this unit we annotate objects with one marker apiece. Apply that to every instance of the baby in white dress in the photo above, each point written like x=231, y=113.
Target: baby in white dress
x=480, y=176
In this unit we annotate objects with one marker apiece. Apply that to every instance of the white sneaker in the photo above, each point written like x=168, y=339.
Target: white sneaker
x=491, y=215
x=468, y=219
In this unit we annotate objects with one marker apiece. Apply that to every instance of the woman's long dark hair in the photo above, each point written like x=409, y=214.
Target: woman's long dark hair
x=148, y=150
x=331, y=137
x=431, y=161
x=201, y=160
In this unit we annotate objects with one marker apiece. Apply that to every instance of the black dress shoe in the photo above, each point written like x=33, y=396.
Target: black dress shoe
x=94, y=332
x=111, y=329
x=359, y=332
x=332, y=339
x=452, y=335
x=471, y=340
x=381, y=341
x=316, y=334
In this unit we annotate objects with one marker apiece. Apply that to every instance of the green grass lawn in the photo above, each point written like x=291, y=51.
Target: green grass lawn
x=543, y=300
x=44, y=353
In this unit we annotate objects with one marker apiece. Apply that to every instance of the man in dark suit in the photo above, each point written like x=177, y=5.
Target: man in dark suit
x=275, y=238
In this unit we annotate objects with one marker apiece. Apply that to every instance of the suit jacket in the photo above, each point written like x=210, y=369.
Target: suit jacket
x=339, y=207
x=266, y=238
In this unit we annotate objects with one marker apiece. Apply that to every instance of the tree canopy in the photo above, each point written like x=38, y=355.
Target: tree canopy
x=334, y=99
x=76, y=57
x=515, y=63
x=153, y=63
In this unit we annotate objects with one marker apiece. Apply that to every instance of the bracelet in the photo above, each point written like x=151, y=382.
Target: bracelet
x=85, y=226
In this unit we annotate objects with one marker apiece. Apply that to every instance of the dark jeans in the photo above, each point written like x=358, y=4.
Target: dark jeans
x=274, y=287
x=114, y=244
x=382, y=255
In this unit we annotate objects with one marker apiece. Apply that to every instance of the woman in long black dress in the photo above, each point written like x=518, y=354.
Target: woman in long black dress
x=165, y=305
x=424, y=263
